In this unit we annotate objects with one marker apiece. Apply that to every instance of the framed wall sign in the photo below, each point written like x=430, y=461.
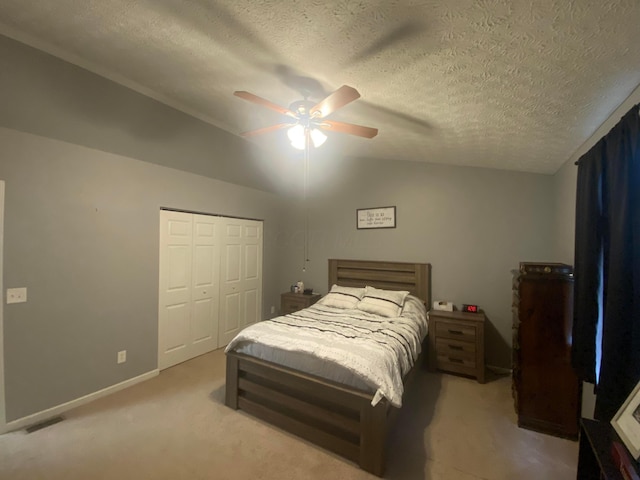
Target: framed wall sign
x=627, y=422
x=381, y=217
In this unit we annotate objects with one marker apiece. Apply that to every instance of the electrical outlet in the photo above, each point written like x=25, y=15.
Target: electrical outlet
x=122, y=356
x=273, y=309
x=17, y=295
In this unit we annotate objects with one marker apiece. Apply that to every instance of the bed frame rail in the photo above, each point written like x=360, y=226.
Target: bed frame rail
x=327, y=414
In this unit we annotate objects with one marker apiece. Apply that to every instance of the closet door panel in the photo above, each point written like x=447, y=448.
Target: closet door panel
x=177, y=329
x=176, y=237
x=205, y=284
x=241, y=281
x=201, y=328
x=252, y=272
x=251, y=307
x=252, y=269
x=230, y=317
x=233, y=267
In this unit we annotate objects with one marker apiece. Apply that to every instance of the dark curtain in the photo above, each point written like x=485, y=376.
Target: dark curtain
x=607, y=266
x=587, y=272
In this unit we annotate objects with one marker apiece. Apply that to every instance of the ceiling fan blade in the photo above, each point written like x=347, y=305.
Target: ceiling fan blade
x=272, y=128
x=402, y=33
x=265, y=103
x=334, y=101
x=349, y=128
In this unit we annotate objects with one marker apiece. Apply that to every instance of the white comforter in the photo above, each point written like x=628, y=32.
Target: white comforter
x=379, y=350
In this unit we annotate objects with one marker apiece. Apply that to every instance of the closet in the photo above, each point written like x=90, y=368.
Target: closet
x=546, y=390
x=210, y=282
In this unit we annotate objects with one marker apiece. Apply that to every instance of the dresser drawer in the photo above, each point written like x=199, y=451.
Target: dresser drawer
x=456, y=331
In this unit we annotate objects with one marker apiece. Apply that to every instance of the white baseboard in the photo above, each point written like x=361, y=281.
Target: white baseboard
x=57, y=410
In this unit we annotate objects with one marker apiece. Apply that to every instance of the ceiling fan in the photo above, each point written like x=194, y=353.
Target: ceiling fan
x=307, y=120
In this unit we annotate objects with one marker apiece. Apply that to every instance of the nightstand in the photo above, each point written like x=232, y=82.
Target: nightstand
x=456, y=343
x=292, y=302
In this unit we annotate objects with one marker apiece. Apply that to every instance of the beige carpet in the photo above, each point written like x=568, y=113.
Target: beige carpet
x=176, y=426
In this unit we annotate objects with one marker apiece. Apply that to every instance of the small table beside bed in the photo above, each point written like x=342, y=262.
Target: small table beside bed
x=334, y=373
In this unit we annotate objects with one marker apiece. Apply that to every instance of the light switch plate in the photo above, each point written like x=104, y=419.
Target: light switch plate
x=122, y=356
x=17, y=295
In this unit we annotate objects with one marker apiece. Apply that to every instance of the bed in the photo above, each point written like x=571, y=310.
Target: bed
x=330, y=414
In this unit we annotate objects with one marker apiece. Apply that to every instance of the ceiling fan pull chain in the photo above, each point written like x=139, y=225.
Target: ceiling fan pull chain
x=305, y=179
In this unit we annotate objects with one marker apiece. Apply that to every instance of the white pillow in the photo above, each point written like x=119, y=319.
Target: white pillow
x=386, y=303
x=342, y=297
x=414, y=305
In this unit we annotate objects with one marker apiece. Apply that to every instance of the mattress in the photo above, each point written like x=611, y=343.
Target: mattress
x=361, y=350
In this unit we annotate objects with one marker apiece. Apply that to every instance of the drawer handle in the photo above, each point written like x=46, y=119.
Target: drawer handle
x=455, y=347
x=456, y=332
x=456, y=360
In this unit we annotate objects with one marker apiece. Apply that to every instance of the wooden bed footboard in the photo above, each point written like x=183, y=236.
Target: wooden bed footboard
x=327, y=414
x=330, y=415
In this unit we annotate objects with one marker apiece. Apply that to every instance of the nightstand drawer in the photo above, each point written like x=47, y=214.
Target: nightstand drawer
x=456, y=348
x=292, y=305
x=292, y=302
x=456, y=331
x=461, y=365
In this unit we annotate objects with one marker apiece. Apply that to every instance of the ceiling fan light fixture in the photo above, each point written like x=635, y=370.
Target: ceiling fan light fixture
x=297, y=136
x=310, y=118
x=317, y=137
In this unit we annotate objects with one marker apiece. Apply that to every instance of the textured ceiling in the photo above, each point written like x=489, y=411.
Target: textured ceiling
x=515, y=85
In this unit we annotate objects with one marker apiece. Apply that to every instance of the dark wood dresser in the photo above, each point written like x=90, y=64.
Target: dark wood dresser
x=546, y=390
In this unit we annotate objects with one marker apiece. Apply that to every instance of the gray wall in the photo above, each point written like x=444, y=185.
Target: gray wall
x=43, y=95
x=87, y=168
x=564, y=193
x=81, y=233
x=473, y=225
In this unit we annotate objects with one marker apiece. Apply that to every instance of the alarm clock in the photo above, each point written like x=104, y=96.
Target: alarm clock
x=470, y=308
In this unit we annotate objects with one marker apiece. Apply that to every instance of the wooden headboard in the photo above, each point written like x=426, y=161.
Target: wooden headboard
x=414, y=277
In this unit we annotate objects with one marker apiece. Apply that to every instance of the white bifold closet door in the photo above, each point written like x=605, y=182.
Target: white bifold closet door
x=240, y=276
x=192, y=319
x=189, y=286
